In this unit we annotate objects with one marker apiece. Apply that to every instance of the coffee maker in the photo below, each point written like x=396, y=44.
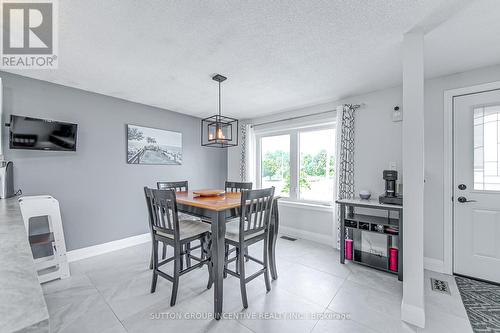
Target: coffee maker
x=390, y=196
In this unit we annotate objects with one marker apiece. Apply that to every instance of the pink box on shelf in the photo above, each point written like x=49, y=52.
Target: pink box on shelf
x=393, y=259
x=348, y=249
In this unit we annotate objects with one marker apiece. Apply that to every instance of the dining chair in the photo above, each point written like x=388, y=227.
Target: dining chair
x=234, y=187
x=177, y=186
x=250, y=228
x=167, y=228
x=180, y=186
x=237, y=186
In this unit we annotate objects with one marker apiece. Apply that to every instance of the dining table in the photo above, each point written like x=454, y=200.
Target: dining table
x=217, y=210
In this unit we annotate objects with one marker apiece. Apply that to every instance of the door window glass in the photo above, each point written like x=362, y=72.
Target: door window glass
x=486, y=148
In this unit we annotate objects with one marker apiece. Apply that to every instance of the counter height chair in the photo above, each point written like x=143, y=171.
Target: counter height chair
x=181, y=186
x=237, y=186
x=250, y=228
x=177, y=186
x=167, y=228
x=232, y=187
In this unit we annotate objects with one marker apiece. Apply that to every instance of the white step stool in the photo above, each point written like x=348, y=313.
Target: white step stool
x=54, y=266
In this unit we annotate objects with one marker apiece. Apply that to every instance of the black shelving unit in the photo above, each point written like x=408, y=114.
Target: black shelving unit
x=355, y=224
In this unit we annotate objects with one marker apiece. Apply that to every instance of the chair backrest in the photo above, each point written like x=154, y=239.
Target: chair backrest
x=237, y=186
x=149, y=204
x=255, y=211
x=176, y=186
x=162, y=209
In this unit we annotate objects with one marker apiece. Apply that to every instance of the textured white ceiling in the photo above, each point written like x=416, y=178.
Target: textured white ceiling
x=470, y=39
x=278, y=55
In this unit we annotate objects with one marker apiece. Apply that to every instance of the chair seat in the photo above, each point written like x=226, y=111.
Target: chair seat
x=233, y=231
x=184, y=216
x=188, y=229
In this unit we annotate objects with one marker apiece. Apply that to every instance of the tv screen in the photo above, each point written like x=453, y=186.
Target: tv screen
x=41, y=134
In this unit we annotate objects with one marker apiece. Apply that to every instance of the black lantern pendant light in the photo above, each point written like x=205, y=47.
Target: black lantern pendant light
x=219, y=131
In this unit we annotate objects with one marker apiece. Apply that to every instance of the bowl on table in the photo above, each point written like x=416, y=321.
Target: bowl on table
x=209, y=193
x=364, y=195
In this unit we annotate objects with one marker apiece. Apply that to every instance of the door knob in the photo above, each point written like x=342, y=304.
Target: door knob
x=462, y=187
x=464, y=200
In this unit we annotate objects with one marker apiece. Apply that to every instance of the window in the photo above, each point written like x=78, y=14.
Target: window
x=316, y=165
x=275, y=167
x=298, y=162
x=486, y=148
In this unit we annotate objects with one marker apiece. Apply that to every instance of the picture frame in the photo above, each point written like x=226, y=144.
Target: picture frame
x=154, y=146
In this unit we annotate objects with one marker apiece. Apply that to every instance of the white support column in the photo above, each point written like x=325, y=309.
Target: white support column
x=412, y=308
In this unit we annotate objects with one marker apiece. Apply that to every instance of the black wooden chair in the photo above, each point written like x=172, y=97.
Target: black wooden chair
x=252, y=227
x=181, y=186
x=233, y=187
x=167, y=228
x=237, y=186
x=177, y=186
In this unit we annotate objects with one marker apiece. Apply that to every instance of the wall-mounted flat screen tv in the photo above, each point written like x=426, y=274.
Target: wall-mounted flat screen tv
x=41, y=134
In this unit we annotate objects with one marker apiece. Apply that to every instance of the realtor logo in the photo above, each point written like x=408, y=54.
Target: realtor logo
x=29, y=34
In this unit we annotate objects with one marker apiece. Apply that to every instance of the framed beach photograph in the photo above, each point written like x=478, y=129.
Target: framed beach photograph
x=147, y=145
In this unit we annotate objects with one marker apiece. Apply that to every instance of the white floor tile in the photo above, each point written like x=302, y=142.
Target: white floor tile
x=327, y=262
x=376, y=279
x=340, y=325
x=370, y=307
x=280, y=303
x=441, y=321
x=310, y=284
x=80, y=309
x=114, y=287
x=436, y=301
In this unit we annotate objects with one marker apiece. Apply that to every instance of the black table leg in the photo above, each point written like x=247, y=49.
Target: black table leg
x=342, y=233
x=218, y=239
x=273, y=235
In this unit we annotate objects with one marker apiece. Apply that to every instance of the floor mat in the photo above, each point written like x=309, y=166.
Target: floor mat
x=482, y=303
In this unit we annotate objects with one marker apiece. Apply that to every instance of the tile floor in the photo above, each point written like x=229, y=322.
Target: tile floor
x=110, y=293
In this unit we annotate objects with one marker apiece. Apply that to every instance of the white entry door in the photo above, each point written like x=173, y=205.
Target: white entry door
x=476, y=194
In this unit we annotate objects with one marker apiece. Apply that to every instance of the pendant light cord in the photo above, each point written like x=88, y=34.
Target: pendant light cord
x=219, y=99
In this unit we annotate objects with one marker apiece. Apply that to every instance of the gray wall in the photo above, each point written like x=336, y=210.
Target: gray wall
x=101, y=196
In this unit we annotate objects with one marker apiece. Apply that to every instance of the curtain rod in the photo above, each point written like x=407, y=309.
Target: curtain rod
x=356, y=106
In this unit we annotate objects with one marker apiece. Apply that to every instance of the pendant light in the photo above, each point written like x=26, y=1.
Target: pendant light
x=219, y=131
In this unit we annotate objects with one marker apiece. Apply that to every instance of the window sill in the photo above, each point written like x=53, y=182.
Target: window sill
x=306, y=205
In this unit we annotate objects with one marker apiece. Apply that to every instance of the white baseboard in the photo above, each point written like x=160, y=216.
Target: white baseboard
x=95, y=250
x=435, y=265
x=308, y=235
x=413, y=315
x=98, y=249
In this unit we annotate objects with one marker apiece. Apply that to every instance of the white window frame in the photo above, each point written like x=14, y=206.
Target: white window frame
x=293, y=131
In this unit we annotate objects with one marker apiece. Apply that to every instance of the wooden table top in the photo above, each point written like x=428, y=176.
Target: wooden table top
x=217, y=203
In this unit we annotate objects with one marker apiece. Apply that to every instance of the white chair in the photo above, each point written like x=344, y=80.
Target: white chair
x=54, y=266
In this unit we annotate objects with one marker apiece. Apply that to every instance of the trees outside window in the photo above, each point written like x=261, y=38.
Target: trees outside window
x=275, y=166
x=315, y=167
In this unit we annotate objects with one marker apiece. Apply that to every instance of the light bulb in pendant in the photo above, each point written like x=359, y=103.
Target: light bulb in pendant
x=220, y=134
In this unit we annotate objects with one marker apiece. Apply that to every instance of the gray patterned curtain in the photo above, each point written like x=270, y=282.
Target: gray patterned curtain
x=345, y=156
x=243, y=155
